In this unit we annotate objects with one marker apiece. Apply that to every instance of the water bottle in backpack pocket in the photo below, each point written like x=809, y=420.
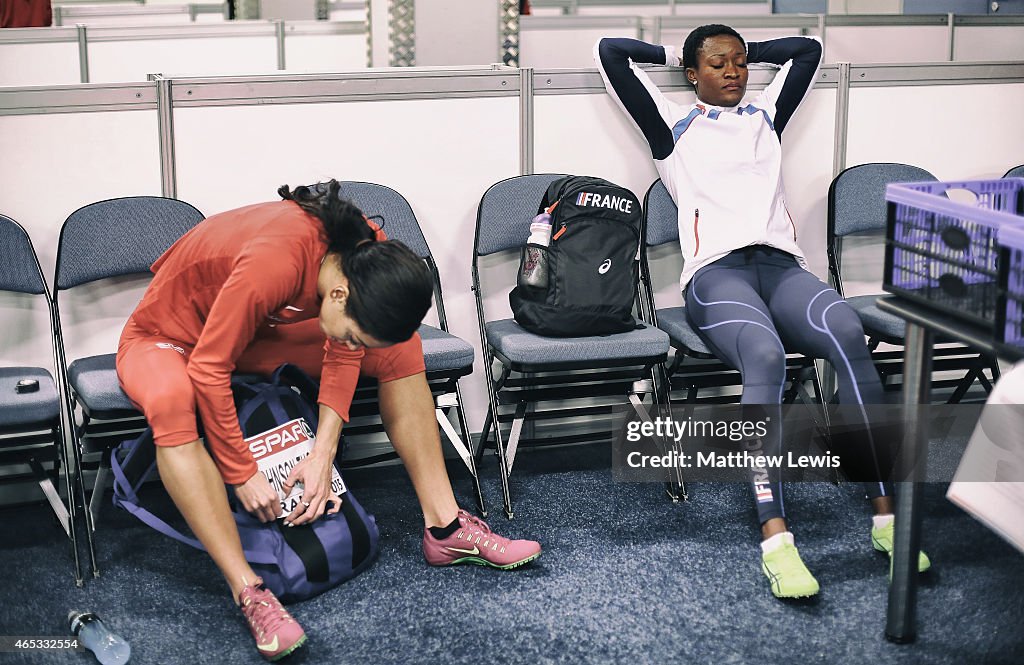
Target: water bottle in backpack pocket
x=533, y=261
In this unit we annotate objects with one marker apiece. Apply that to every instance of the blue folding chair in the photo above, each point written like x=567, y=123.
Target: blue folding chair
x=446, y=356
x=857, y=208
x=31, y=423
x=533, y=369
x=104, y=240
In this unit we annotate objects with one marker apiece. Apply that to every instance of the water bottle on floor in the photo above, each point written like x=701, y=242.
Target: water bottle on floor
x=109, y=648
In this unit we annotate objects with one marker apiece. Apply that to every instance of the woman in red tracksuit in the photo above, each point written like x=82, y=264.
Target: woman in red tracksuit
x=305, y=280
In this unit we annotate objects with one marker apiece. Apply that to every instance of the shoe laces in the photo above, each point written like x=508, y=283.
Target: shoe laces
x=788, y=561
x=886, y=535
x=477, y=526
x=263, y=610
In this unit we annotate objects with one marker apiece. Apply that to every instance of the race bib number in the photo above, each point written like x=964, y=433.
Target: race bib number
x=277, y=451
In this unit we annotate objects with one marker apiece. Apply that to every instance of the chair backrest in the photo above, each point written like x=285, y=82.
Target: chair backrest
x=19, y=266
x=661, y=216
x=856, y=197
x=856, y=204
x=506, y=210
x=399, y=223
x=1015, y=172
x=397, y=218
x=121, y=236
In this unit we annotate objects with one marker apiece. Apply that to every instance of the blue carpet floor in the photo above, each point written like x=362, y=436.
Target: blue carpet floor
x=626, y=577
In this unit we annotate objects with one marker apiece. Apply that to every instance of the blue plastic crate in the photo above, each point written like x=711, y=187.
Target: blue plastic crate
x=946, y=254
x=1011, y=323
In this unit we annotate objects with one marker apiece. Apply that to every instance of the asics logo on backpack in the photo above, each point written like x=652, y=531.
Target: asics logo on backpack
x=605, y=267
x=620, y=203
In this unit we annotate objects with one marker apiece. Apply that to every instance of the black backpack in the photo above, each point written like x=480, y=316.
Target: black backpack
x=591, y=262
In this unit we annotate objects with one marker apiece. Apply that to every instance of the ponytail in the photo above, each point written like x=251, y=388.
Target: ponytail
x=344, y=223
x=390, y=286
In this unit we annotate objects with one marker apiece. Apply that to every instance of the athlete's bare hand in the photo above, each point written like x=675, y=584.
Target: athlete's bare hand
x=314, y=474
x=259, y=498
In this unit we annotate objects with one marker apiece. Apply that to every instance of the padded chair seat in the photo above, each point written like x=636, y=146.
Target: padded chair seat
x=875, y=320
x=443, y=352
x=21, y=409
x=94, y=380
x=520, y=346
x=673, y=321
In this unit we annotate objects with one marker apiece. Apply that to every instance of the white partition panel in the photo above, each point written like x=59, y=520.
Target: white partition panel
x=681, y=9
x=869, y=44
x=620, y=10
x=210, y=17
x=43, y=63
x=974, y=43
x=934, y=127
x=677, y=36
x=807, y=155
x=589, y=135
x=441, y=138
x=324, y=53
x=347, y=15
x=606, y=144
x=457, y=32
x=568, y=42
x=65, y=161
x=440, y=154
x=111, y=61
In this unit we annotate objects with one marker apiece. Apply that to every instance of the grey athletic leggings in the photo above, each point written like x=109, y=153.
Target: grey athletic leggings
x=752, y=305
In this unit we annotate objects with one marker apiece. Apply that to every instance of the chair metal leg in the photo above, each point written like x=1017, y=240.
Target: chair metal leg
x=72, y=479
x=993, y=365
x=834, y=476
x=470, y=457
x=51, y=494
x=492, y=386
x=97, y=491
x=515, y=435
x=89, y=526
x=965, y=383
x=675, y=488
x=485, y=436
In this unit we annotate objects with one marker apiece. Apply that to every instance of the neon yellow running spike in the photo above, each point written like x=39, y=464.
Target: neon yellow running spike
x=882, y=540
x=787, y=574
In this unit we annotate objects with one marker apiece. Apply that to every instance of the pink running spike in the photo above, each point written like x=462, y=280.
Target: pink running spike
x=474, y=542
x=277, y=634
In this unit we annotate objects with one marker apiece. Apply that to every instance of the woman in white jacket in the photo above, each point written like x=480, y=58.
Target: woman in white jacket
x=747, y=290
